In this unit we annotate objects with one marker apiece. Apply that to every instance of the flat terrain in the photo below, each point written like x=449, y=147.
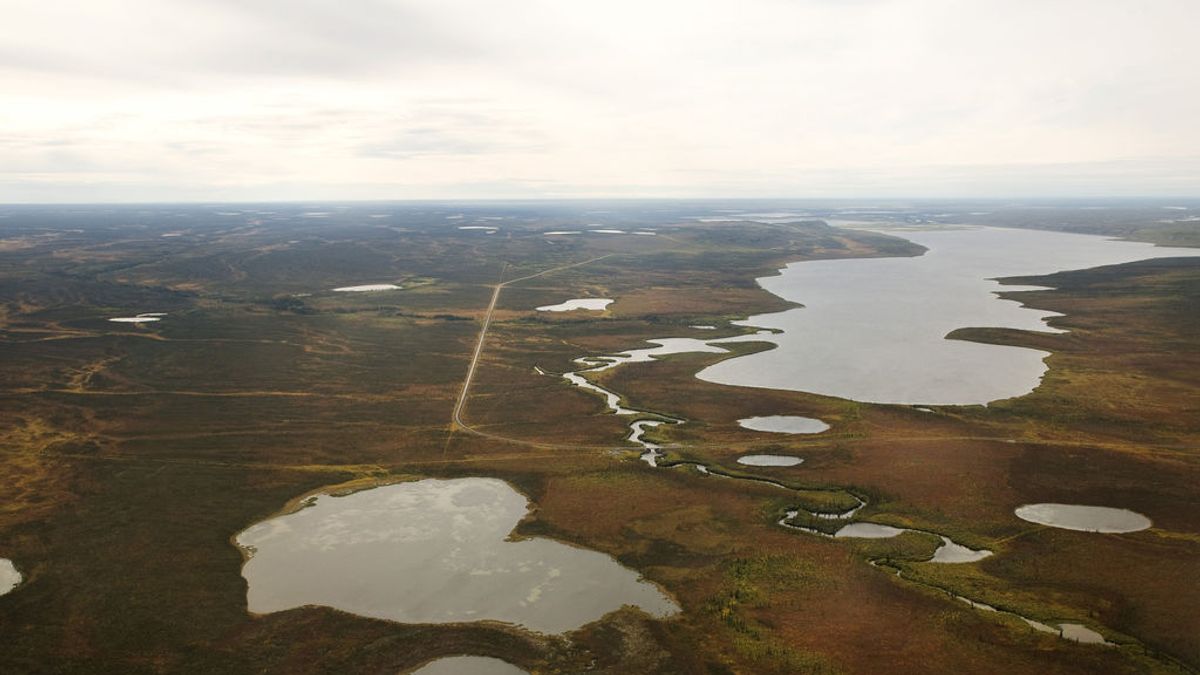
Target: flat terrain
x=132, y=454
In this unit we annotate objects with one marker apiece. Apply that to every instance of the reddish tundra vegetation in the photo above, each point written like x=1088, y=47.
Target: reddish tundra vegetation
x=131, y=454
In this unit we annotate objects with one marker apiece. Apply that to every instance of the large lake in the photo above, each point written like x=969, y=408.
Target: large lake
x=874, y=329
x=434, y=551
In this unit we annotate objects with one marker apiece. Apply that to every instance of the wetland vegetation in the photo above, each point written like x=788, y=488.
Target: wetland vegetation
x=137, y=455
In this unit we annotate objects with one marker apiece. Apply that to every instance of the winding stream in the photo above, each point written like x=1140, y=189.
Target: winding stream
x=892, y=316
x=653, y=453
x=948, y=552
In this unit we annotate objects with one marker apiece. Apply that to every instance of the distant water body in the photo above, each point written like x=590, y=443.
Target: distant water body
x=874, y=329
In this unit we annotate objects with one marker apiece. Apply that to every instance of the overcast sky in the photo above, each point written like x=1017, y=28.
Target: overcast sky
x=158, y=100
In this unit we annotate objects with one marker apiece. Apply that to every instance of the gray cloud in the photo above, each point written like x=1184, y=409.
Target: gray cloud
x=321, y=37
x=423, y=142
x=269, y=98
x=180, y=41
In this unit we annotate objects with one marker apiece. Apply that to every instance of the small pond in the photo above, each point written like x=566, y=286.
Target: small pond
x=367, y=288
x=145, y=317
x=769, y=460
x=952, y=553
x=784, y=424
x=590, y=304
x=9, y=576
x=1084, y=518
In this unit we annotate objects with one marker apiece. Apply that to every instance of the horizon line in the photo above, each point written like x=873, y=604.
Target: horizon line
x=482, y=200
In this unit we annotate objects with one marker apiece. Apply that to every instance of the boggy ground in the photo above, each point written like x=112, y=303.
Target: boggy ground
x=1086, y=435
x=132, y=454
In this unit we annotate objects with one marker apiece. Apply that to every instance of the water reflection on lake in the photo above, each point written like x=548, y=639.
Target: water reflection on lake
x=953, y=553
x=9, y=576
x=469, y=665
x=144, y=317
x=434, y=551
x=769, y=460
x=784, y=424
x=1081, y=633
x=590, y=304
x=367, y=288
x=1084, y=518
x=874, y=329
x=868, y=531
